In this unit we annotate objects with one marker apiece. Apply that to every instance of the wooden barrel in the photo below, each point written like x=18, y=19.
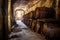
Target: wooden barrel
x=41, y=27
x=45, y=28
x=25, y=18
x=34, y=28
x=37, y=12
x=45, y=12
x=30, y=15
x=30, y=22
x=53, y=29
x=27, y=21
x=37, y=26
x=33, y=24
x=33, y=17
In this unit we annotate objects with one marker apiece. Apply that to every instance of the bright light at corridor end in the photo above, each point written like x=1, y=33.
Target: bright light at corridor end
x=19, y=14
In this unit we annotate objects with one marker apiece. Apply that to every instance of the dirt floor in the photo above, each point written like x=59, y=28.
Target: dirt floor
x=23, y=34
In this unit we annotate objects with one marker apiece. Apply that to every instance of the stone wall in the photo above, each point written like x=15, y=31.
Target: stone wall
x=1, y=21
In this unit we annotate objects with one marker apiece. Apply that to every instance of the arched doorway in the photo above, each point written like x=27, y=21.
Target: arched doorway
x=19, y=14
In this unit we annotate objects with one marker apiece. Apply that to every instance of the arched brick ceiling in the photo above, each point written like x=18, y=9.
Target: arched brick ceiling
x=13, y=1
x=22, y=4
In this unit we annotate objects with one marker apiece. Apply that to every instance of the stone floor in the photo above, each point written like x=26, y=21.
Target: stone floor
x=25, y=34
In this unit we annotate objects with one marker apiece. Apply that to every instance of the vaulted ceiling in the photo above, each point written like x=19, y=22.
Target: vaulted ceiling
x=23, y=4
x=13, y=1
x=27, y=4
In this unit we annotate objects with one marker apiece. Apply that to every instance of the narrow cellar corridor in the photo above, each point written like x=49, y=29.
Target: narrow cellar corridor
x=29, y=19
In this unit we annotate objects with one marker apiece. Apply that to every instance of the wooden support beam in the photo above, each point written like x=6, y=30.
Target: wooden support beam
x=57, y=9
x=9, y=15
